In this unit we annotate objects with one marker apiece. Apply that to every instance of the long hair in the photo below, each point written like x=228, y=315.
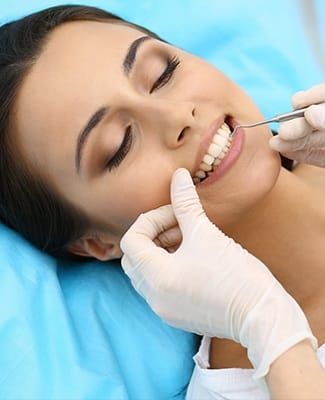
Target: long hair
x=28, y=203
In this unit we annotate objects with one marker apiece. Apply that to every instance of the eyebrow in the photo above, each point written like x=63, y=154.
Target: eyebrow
x=132, y=52
x=84, y=134
x=99, y=115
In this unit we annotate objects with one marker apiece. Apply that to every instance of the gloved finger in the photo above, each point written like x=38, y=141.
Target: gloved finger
x=315, y=115
x=311, y=142
x=144, y=271
x=172, y=249
x=296, y=128
x=185, y=200
x=131, y=271
x=169, y=239
x=276, y=143
x=145, y=229
x=316, y=94
x=143, y=260
x=314, y=156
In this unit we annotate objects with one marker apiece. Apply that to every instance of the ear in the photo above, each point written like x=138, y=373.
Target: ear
x=103, y=248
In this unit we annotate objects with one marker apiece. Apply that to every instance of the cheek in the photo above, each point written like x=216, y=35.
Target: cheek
x=239, y=193
x=138, y=195
x=208, y=83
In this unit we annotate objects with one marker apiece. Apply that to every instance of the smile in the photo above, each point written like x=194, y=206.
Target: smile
x=217, y=150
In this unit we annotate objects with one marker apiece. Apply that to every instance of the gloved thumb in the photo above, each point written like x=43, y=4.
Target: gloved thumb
x=185, y=200
x=140, y=237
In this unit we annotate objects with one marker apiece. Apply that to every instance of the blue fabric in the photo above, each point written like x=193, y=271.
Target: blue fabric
x=70, y=331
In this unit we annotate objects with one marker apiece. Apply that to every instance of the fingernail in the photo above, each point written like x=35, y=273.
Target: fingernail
x=182, y=174
x=298, y=99
x=274, y=142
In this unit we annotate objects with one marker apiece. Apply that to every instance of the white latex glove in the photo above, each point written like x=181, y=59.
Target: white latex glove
x=210, y=285
x=303, y=139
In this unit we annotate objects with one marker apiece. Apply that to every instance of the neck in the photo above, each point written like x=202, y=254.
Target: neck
x=286, y=232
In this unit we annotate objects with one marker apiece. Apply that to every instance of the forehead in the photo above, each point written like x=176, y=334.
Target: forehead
x=78, y=55
x=79, y=39
x=79, y=64
x=75, y=50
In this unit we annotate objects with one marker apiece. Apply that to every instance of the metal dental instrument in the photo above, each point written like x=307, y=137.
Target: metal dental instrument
x=277, y=118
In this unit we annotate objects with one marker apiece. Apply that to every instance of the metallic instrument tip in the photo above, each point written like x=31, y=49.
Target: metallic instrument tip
x=277, y=118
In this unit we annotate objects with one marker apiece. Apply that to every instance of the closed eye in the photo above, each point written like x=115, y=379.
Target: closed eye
x=119, y=156
x=172, y=64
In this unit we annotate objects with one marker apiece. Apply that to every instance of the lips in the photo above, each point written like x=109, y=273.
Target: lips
x=218, y=148
x=204, y=175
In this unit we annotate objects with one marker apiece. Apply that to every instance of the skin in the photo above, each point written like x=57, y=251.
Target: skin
x=297, y=375
x=80, y=70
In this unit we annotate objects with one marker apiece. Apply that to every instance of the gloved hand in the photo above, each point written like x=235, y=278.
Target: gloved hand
x=303, y=139
x=210, y=285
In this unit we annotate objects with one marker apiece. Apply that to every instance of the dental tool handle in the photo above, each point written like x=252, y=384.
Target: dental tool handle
x=277, y=118
x=289, y=115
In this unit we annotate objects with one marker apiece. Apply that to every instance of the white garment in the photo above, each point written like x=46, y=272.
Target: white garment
x=228, y=383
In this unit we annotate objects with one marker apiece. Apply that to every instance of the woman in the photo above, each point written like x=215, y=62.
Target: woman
x=96, y=117
x=212, y=286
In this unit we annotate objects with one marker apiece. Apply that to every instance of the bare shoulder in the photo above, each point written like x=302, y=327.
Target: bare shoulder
x=315, y=176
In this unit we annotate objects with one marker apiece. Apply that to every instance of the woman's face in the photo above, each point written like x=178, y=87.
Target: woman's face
x=108, y=114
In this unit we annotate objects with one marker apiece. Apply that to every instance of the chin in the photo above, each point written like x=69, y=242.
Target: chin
x=241, y=192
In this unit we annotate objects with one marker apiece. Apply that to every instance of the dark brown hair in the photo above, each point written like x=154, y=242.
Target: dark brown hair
x=27, y=202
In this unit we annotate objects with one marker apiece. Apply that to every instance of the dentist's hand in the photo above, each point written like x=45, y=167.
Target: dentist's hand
x=210, y=285
x=303, y=139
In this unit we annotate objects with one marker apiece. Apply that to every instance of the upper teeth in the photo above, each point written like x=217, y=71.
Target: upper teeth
x=218, y=148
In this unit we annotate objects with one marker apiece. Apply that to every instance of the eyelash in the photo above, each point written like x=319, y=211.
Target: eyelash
x=122, y=151
x=172, y=64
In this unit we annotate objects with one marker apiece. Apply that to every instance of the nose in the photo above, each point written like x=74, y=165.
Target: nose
x=170, y=120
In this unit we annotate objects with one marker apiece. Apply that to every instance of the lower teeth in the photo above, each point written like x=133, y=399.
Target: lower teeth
x=206, y=170
x=215, y=164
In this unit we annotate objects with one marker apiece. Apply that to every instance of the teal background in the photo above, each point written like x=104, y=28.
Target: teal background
x=271, y=48
x=72, y=331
